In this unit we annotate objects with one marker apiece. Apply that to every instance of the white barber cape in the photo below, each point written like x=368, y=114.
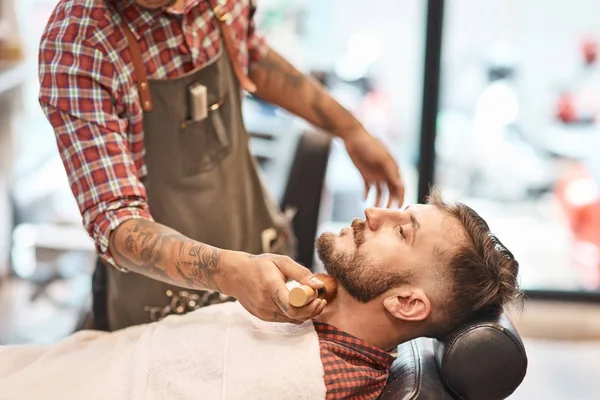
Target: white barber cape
x=217, y=352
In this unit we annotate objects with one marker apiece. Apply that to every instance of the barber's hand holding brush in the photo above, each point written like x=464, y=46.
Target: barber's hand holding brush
x=259, y=284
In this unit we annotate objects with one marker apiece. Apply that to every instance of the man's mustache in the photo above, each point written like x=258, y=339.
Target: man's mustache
x=359, y=227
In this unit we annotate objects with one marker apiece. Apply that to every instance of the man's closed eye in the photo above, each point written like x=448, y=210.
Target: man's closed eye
x=401, y=230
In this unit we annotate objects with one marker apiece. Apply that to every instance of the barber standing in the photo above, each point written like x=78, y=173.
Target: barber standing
x=145, y=100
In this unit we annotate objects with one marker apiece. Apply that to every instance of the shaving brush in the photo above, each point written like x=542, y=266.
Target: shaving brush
x=301, y=295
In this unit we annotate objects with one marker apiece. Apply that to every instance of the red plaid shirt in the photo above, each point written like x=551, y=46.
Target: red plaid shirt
x=89, y=95
x=353, y=368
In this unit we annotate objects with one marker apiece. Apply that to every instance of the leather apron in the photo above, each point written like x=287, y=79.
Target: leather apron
x=202, y=181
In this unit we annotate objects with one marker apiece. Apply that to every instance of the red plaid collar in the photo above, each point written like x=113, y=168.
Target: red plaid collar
x=139, y=18
x=380, y=359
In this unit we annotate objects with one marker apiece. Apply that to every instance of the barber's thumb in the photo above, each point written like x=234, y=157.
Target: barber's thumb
x=300, y=274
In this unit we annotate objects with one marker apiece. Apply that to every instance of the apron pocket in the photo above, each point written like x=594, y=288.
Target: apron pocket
x=204, y=144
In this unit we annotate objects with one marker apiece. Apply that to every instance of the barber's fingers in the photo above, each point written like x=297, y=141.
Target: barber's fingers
x=319, y=307
x=367, y=187
x=379, y=190
x=309, y=311
x=394, y=184
x=400, y=194
x=295, y=271
x=281, y=297
x=378, y=187
x=396, y=190
x=391, y=197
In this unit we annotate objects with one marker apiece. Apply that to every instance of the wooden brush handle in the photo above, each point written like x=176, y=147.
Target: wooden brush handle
x=301, y=295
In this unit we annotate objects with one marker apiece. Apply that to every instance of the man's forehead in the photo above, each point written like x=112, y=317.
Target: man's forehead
x=440, y=226
x=426, y=212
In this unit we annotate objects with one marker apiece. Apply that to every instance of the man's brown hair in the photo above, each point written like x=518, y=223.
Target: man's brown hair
x=481, y=275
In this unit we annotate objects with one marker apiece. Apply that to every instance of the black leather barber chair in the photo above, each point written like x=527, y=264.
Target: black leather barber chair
x=482, y=360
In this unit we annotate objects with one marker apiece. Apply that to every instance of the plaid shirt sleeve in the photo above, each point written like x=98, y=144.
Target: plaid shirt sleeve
x=257, y=45
x=77, y=93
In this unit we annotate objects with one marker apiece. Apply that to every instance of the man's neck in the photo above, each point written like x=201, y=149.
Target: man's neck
x=360, y=320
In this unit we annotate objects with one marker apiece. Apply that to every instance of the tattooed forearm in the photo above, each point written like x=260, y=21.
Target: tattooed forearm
x=161, y=253
x=278, y=76
x=281, y=83
x=201, y=262
x=325, y=120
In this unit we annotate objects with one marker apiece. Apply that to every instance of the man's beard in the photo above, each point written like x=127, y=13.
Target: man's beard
x=154, y=4
x=359, y=277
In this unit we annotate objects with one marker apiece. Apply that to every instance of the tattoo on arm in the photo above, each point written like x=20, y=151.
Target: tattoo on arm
x=138, y=250
x=278, y=76
x=161, y=253
x=202, y=263
x=325, y=121
x=279, y=82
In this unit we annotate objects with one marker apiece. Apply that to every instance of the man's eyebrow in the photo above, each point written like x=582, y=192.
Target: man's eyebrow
x=415, y=225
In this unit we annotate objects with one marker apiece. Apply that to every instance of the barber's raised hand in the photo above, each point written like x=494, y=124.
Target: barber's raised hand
x=376, y=165
x=258, y=283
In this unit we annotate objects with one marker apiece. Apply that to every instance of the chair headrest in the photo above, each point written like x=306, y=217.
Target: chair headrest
x=484, y=359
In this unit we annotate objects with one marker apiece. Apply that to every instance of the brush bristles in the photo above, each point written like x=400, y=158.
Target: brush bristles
x=331, y=286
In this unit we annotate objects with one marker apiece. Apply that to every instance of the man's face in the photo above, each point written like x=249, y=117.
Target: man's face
x=155, y=4
x=388, y=249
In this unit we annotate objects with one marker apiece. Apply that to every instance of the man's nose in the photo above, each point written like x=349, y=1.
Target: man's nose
x=378, y=217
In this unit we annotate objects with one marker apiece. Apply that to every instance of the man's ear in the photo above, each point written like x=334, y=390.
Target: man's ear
x=410, y=304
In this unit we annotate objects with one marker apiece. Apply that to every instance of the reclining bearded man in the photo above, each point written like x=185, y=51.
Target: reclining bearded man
x=402, y=274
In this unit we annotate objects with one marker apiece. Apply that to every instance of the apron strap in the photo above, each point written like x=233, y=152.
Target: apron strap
x=221, y=15
x=138, y=66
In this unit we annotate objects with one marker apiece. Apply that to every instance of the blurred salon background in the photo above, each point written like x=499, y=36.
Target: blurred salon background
x=498, y=102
